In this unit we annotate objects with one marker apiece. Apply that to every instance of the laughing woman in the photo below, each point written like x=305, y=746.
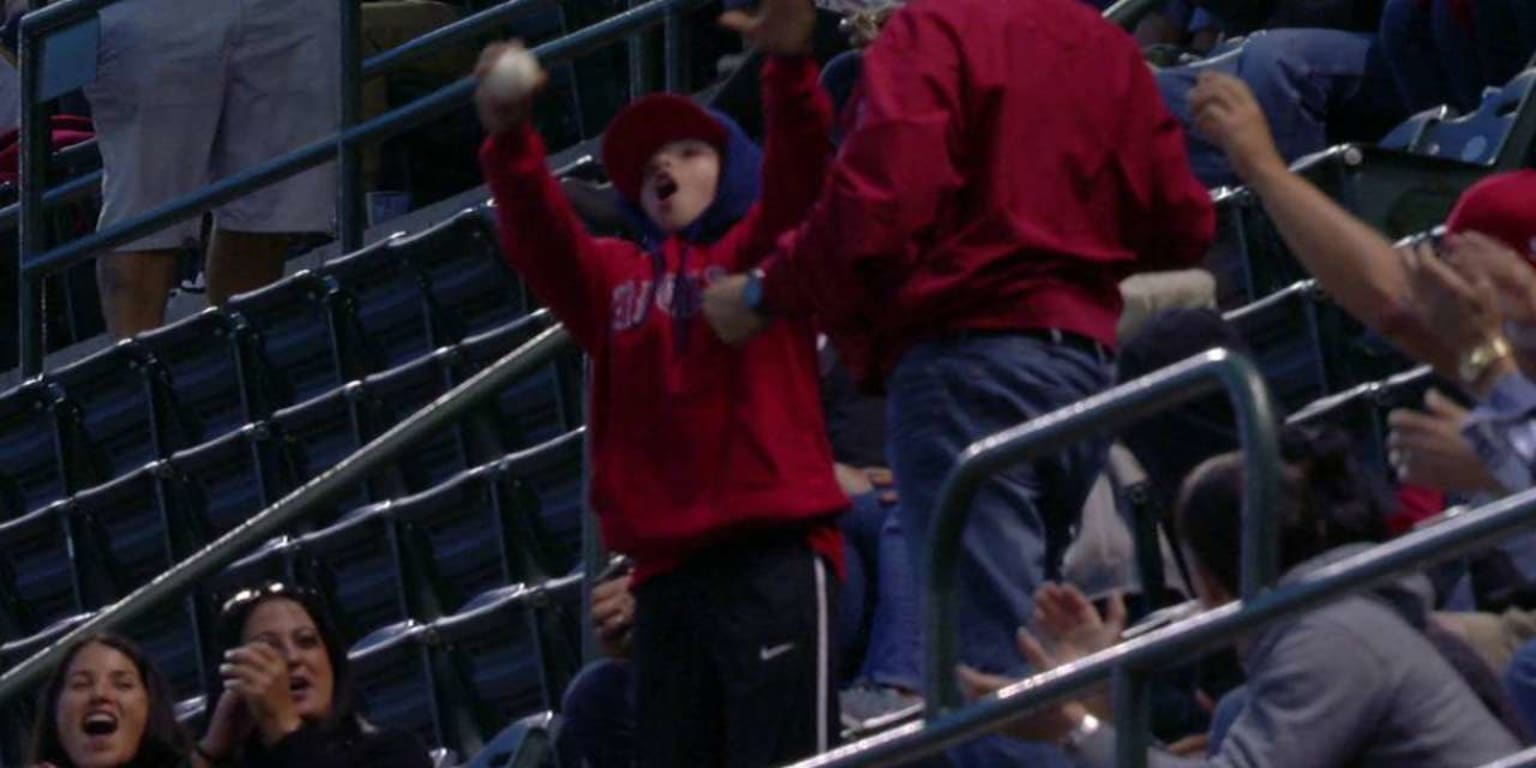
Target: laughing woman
x=107, y=706
x=284, y=698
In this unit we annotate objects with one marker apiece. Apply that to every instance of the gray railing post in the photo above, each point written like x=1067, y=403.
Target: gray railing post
x=672, y=43
x=1132, y=703
x=350, y=215
x=1104, y=412
x=32, y=234
x=639, y=61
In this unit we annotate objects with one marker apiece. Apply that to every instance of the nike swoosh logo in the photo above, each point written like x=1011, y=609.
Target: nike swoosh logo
x=769, y=654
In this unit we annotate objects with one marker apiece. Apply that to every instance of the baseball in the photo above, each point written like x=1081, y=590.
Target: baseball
x=514, y=75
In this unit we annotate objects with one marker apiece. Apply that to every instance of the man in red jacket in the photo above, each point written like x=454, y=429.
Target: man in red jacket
x=1009, y=163
x=710, y=463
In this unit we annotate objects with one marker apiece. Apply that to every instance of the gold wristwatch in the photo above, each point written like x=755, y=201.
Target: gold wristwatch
x=1475, y=362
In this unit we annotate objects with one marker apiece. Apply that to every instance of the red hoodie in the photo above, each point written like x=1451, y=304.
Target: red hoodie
x=692, y=440
x=1009, y=164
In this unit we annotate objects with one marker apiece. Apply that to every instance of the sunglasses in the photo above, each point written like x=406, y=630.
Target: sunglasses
x=245, y=597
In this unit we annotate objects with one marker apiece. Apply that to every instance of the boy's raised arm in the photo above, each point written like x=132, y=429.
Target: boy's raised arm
x=541, y=236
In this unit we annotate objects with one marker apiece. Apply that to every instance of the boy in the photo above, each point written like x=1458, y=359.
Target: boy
x=710, y=464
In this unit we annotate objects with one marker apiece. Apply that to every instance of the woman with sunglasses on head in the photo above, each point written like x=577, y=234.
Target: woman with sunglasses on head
x=284, y=695
x=107, y=706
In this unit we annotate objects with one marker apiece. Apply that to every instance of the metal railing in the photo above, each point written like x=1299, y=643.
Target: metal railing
x=38, y=258
x=1103, y=413
x=457, y=404
x=1453, y=538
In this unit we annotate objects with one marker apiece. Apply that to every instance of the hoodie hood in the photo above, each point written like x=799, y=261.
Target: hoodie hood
x=739, y=189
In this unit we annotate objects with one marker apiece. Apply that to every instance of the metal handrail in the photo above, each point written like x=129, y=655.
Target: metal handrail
x=1453, y=538
x=35, y=262
x=1106, y=412
x=453, y=406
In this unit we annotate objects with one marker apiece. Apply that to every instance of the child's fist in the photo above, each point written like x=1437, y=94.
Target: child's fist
x=509, y=78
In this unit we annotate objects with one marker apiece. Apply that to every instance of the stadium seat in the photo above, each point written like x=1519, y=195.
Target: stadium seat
x=1282, y=333
x=1410, y=135
x=393, y=669
x=221, y=483
x=39, y=581
x=359, y=565
x=546, y=485
x=397, y=317
x=317, y=434
x=212, y=370
x=131, y=528
x=129, y=409
x=305, y=335
x=1362, y=411
x=391, y=396
x=40, y=439
x=462, y=530
x=1482, y=137
x=512, y=649
x=538, y=407
x=465, y=273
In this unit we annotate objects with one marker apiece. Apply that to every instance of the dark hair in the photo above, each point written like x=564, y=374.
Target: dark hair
x=231, y=625
x=1326, y=501
x=164, y=742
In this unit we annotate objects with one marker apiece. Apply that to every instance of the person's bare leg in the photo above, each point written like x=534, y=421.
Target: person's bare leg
x=243, y=261
x=134, y=287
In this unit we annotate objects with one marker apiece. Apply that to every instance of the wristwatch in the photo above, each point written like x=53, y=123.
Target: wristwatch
x=752, y=292
x=1086, y=728
x=1475, y=362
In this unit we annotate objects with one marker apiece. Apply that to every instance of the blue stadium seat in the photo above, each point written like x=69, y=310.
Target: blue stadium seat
x=317, y=434
x=39, y=582
x=221, y=483
x=538, y=407
x=399, y=321
x=511, y=650
x=304, y=335
x=463, y=530
x=130, y=412
x=39, y=443
x=1412, y=134
x=172, y=637
x=359, y=565
x=393, y=395
x=546, y=483
x=131, y=527
x=212, y=370
x=466, y=275
x=1362, y=411
x=1282, y=332
x=396, y=681
x=277, y=560
x=1482, y=137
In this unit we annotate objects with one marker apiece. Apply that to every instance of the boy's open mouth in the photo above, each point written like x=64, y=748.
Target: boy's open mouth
x=666, y=187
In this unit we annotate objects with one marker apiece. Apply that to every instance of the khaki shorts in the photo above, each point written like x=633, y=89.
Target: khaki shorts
x=187, y=93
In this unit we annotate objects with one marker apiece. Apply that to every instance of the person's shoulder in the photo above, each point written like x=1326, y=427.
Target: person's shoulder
x=392, y=748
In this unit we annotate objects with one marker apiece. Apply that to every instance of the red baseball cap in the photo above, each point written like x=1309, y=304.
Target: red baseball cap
x=1503, y=207
x=647, y=125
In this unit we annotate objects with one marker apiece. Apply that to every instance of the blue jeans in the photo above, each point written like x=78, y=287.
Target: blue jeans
x=597, y=727
x=1520, y=681
x=879, y=598
x=1314, y=85
x=1506, y=31
x=945, y=395
x=1433, y=57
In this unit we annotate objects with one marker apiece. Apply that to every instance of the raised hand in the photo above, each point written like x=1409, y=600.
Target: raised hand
x=1226, y=112
x=779, y=27
x=502, y=109
x=259, y=673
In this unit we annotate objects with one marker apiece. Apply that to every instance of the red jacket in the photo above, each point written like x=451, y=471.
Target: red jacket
x=1010, y=163
x=692, y=440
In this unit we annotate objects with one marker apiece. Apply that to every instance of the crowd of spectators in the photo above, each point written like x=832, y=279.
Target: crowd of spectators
x=941, y=280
